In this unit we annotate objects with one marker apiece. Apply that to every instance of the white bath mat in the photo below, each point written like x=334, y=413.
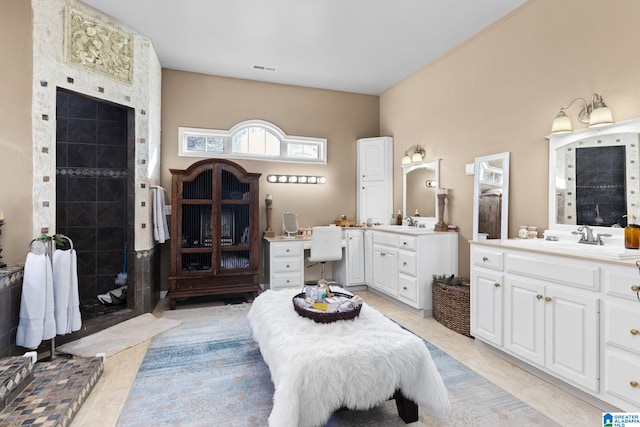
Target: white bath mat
x=119, y=337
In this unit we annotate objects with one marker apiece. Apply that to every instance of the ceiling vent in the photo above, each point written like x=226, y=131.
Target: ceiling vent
x=264, y=68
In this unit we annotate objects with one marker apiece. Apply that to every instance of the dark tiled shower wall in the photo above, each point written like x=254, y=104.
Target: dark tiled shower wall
x=92, y=187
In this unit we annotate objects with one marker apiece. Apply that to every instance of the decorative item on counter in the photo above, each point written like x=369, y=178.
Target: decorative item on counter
x=369, y=222
x=399, y=218
x=632, y=233
x=269, y=202
x=442, y=195
x=532, y=232
x=523, y=233
x=453, y=228
x=416, y=213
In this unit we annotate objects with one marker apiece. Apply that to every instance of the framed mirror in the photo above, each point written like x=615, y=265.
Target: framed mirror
x=290, y=225
x=594, y=177
x=491, y=197
x=419, y=184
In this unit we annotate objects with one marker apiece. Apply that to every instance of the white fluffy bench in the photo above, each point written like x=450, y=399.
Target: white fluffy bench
x=358, y=364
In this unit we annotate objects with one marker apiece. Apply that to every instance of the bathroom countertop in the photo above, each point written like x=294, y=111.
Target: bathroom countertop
x=612, y=253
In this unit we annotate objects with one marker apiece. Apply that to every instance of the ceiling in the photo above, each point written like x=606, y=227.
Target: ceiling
x=361, y=46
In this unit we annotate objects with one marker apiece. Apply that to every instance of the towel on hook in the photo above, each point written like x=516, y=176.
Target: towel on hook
x=37, y=320
x=65, y=291
x=160, y=228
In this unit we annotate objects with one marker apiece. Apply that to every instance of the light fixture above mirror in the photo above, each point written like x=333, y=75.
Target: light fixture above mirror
x=595, y=114
x=416, y=156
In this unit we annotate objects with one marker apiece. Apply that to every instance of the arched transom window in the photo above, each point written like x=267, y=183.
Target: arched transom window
x=251, y=139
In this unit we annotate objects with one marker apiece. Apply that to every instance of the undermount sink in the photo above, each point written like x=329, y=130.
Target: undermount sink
x=613, y=250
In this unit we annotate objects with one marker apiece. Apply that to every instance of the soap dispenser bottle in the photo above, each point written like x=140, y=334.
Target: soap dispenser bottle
x=632, y=233
x=399, y=218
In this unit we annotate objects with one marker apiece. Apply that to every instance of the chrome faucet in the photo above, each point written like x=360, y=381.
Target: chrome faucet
x=412, y=222
x=586, y=235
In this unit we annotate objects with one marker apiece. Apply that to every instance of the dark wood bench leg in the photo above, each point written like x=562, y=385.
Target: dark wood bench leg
x=407, y=409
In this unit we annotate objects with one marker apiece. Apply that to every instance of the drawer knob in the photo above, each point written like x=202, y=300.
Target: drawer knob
x=404, y=263
x=635, y=288
x=633, y=384
x=485, y=259
x=382, y=254
x=539, y=296
x=287, y=280
x=287, y=250
x=405, y=288
x=287, y=265
x=548, y=299
x=497, y=285
x=404, y=243
x=634, y=332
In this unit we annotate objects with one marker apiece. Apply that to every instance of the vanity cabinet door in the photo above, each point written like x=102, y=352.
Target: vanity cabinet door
x=385, y=269
x=524, y=311
x=486, y=305
x=355, y=257
x=375, y=180
x=553, y=329
x=572, y=325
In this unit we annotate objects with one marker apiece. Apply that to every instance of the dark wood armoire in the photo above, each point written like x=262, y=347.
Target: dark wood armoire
x=214, y=229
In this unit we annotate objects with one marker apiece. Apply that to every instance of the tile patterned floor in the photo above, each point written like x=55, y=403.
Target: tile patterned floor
x=103, y=406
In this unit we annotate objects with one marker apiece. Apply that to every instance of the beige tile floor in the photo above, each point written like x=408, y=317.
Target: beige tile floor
x=107, y=399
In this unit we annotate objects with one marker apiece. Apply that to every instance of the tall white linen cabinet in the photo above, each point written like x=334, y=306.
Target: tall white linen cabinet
x=375, y=179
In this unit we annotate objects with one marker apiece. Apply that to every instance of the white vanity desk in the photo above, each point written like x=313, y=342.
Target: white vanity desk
x=396, y=261
x=570, y=314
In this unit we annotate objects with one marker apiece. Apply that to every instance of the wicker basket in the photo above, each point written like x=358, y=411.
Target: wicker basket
x=330, y=317
x=451, y=305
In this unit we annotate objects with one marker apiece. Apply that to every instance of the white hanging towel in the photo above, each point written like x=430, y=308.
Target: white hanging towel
x=37, y=321
x=65, y=291
x=160, y=227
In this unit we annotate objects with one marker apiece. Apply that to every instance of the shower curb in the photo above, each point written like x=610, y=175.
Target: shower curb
x=55, y=394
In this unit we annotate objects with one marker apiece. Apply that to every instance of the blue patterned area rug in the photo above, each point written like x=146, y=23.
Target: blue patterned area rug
x=209, y=372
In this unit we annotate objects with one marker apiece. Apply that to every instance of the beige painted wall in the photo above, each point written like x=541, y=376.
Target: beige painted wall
x=16, y=167
x=198, y=100
x=501, y=90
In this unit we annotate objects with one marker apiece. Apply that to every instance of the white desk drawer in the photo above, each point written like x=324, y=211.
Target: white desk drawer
x=487, y=258
x=621, y=281
x=286, y=280
x=286, y=265
x=407, y=242
x=408, y=289
x=407, y=262
x=622, y=326
x=621, y=373
x=387, y=239
x=287, y=249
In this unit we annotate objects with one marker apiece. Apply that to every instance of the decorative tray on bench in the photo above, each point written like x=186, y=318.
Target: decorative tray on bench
x=326, y=316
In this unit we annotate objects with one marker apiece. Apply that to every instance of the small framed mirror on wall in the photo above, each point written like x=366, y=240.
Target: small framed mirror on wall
x=491, y=197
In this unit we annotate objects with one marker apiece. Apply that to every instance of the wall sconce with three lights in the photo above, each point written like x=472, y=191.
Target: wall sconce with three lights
x=595, y=114
x=296, y=179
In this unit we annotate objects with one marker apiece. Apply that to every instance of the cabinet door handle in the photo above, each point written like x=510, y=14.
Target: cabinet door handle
x=382, y=254
x=404, y=263
x=363, y=188
x=350, y=238
x=634, y=332
x=287, y=280
x=548, y=299
x=363, y=175
x=539, y=296
x=635, y=288
x=485, y=259
x=405, y=288
x=633, y=384
x=497, y=285
x=287, y=265
x=404, y=243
